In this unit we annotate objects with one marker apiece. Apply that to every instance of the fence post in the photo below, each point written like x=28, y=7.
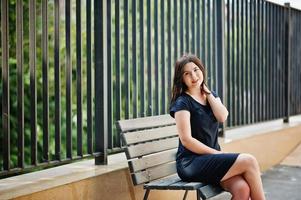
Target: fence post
x=101, y=91
x=220, y=51
x=5, y=84
x=288, y=35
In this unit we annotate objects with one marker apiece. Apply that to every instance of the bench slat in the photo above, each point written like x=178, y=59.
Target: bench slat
x=154, y=173
x=144, y=123
x=151, y=147
x=173, y=182
x=152, y=160
x=163, y=182
x=150, y=134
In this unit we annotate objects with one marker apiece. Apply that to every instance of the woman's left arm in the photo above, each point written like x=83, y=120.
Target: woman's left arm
x=219, y=110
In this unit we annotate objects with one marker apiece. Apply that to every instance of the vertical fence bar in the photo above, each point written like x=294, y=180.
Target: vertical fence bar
x=232, y=87
x=254, y=66
x=193, y=23
x=89, y=84
x=259, y=58
x=214, y=67
x=186, y=44
x=79, y=89
x=204, y=52
x=242, y=65
x=175, y=29
x=110, y=73
x=270, y=61
x=33, y=88
x=256, y=60
x=126, y=60
x=198, y=29
x=247, y=88
x=220, y=53
x=266, y=55
x=149, y=59
x=101, y=98
x=288, y=35
x=169, y=53
x=282, y=60
x=228, y=66
x=141, y=63
x=163, y=77
x=238, y=67
x=181, y=27
x=20, y=92
x=277, y=63
x=156, y=29
x=208, y=63
x=262, y=63
x=57, y=81
x=45, y=80
x=68, y=82
x=117, y=58
x=134, y=47
x=274, y=61
x=5, y=84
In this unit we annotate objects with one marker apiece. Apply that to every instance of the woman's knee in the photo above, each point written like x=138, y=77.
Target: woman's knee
x=249, y=161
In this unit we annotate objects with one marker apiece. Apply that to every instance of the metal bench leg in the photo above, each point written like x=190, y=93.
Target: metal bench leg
x=198, y=195
x=185, y=195
x=146, y=194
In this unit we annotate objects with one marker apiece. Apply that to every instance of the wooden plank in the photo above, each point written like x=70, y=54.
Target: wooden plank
x=151, y=147
x=152, y=160
x=144, y=123
x=210, y=191
x=162, y=183
x=150, y=134
x=194, y=185
x=154, y=173
x=177, y=186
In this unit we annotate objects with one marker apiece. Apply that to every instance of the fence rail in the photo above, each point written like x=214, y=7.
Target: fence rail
x=71, y=69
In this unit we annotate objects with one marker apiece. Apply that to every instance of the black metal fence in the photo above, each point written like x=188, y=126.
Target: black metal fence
x=83, y=65
x=262, y=62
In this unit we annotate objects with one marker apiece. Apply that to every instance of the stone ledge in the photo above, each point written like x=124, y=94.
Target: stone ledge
x=49, y=178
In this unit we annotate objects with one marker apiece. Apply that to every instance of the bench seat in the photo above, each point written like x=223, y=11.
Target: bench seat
x=150, y=146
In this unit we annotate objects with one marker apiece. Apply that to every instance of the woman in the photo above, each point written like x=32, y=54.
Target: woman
x=197, y=112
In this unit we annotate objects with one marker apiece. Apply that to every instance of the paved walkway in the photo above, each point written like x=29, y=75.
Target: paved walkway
x=282, y=181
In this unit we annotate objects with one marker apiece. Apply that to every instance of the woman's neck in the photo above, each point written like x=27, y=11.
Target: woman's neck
x=194, y=91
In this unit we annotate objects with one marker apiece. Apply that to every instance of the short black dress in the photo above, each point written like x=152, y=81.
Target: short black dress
x=209, y=168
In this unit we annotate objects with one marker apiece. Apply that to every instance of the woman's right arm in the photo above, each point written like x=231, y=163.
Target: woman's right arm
x=184, y=130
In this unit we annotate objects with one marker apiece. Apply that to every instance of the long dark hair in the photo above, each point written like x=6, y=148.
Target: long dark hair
x=178, y=84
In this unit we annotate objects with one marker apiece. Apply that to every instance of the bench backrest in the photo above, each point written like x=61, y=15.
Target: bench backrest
x=151, y=144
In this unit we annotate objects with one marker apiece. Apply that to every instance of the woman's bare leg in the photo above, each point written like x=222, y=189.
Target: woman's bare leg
x=247, y=166
x=238, y=187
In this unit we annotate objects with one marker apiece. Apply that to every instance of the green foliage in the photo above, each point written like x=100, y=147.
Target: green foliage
x=39, y=81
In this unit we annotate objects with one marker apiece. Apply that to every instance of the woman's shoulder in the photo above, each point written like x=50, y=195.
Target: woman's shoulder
x=182, y=98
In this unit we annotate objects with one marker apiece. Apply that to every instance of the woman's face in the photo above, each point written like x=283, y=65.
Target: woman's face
x=192, y=76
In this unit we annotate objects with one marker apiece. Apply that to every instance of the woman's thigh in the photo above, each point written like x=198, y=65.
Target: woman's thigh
x=242, y=163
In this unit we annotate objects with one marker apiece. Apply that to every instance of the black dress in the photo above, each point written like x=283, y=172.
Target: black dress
x=209, y=168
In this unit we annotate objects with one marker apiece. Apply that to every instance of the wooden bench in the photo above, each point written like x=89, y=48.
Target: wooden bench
x=151, y=145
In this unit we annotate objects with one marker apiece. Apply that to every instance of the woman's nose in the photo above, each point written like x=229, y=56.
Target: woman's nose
x=193, y=75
